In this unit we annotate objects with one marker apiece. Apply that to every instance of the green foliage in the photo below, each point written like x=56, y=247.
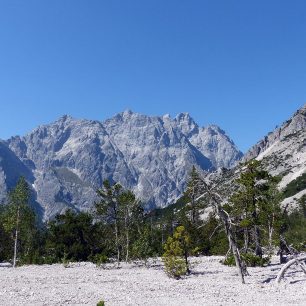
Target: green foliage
x=296, y=224
x=218, y=245
x=109, y=212
x=175, y=257
x=250, y=260
x=175, y=266
x=99, y=259
x=18, y=225
x=142, y=247
x=302, y=205
x=108, y=206
x=71, y=236
x=295, y=186
x=101, y=303
x=255, y=261
x=6, y=242
x=65, y=260
x=245, y=223
x=256, y=208
x=77, y=236
x=193, y=191
x=229, y=261
x=124, y=215
x=168, y=212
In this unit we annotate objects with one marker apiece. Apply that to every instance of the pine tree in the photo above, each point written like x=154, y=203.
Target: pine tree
x=214, y=199
x=19, y=218
x=271, y=216
x=108, y=209
x=250, y=198
x=257, y=206
x=71, y=236
x=132, y=213
x=177, y=250
x=120, y=209
x=193, y=191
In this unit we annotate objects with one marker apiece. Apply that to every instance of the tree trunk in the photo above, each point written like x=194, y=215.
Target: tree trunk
x=193, y=208
x=216, y=200
x=246, y=239
x=258, y=249
x=271, y=230
x=162, y=235
x=232, y=243
x=117, y=242
x=16, y=238
x=186, y=262
x=127, y=245
x=282, y=250
x=288, y=265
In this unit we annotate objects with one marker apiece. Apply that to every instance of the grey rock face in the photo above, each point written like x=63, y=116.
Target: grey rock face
x=11, y=168
x=211, y=141
x=283, y=152
x=295, y=124
x=69, y=159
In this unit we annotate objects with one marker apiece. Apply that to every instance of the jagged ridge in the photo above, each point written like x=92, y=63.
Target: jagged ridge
x=68, y=159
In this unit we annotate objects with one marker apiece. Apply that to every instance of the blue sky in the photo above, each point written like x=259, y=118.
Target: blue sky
x=238, y=64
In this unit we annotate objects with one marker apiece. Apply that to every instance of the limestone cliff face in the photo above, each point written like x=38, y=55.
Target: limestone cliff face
x=66, y=161
x=283, y=151
x=289, y=129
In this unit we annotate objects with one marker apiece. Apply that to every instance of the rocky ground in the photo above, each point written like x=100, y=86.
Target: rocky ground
x=211, y=283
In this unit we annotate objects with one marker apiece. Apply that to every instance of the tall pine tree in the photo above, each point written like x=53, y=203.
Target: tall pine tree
x=19, y=220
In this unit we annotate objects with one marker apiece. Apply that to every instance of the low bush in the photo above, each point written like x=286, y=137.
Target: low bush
x=99, y=259
x=176, y=253
x=250, y=260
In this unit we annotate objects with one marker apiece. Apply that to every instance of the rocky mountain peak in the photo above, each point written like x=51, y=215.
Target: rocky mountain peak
x=64, y=118
x=186, y=124
x=69, y=158
x=215, y=129
x=127, y=113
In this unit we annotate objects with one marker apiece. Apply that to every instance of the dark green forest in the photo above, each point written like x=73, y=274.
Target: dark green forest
x=119, y=229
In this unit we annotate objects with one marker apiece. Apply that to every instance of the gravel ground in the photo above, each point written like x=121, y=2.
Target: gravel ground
x=210, y=284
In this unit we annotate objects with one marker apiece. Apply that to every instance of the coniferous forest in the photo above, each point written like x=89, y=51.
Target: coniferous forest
x=243, y=221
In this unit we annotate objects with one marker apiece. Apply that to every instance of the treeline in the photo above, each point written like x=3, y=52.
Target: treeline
x=119, y=229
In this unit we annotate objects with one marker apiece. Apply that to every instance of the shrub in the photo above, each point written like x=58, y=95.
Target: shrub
x=175, y=266
x=99, y=259
x=141, y=249
x=176, y=253
x=250, y=260
x=65, y=260
x=101, y=303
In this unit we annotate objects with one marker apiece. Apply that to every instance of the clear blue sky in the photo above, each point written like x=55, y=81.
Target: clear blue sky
x=238, y=64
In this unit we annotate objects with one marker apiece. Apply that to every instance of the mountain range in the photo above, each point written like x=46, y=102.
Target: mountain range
x=67, y=160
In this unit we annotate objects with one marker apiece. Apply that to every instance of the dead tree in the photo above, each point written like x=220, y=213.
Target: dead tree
x=294, y=261
x=227, y=222
x=215, y=201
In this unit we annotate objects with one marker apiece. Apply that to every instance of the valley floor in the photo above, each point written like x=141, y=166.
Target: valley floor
x=210, y=284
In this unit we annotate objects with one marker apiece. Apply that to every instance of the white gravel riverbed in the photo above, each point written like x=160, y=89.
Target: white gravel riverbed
x=211, y=283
